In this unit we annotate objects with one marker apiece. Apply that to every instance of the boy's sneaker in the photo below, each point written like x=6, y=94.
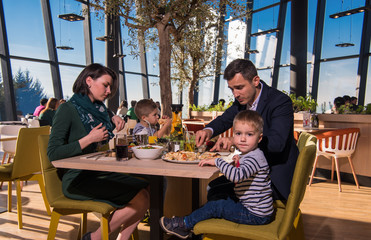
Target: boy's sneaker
x=175, y=226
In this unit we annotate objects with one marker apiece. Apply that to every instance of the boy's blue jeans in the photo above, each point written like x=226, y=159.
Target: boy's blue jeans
x=226, y=209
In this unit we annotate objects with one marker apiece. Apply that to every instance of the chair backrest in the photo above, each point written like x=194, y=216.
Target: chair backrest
x=304, y=163
x=53, y=185
x=341, y=142
x=9, y=131
x=27, y=158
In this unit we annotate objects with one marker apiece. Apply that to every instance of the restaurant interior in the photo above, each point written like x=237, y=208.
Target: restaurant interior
x=312, y=50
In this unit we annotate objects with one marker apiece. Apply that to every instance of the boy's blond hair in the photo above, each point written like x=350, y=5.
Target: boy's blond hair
x=144, y=107
x=250, y=117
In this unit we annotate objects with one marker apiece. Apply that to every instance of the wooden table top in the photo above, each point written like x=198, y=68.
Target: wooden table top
x=156, y=167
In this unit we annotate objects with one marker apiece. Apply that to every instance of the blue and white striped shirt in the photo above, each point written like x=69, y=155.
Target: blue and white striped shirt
x=253, y=183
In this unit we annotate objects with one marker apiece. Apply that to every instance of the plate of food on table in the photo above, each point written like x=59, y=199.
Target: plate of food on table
x=188, y=157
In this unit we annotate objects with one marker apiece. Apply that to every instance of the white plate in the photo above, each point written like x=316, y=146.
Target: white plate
x=184, y=162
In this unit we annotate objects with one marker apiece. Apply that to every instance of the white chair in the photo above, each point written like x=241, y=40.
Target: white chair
x=8, y=147
x=337, y=144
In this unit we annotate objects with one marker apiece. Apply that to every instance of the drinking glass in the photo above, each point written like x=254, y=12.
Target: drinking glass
x=121, y=146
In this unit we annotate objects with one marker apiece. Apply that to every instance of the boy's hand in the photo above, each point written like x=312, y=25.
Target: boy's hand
x=236, y=158
x=207, y=162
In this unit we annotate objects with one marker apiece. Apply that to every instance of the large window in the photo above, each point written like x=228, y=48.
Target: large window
x=32, y=81
x=25, y=28
x=337, y=78
x=134, y=87
x=347, y=29
x=68, y=33
x=68, y=77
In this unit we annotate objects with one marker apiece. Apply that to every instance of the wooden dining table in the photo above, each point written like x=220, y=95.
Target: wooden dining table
x=156, y=170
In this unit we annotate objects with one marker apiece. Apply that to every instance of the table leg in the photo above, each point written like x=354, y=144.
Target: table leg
x=156, y=207
x=195, y=200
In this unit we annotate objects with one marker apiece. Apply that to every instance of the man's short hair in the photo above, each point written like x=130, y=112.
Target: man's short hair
x=144, y=107
x=243, y=66
x=43, y=101
x=250, y=117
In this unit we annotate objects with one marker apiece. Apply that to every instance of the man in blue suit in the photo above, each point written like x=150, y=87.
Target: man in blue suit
x=275, y=107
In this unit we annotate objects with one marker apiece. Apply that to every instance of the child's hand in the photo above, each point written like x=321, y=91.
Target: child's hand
x=236, y=158
x=207, y=162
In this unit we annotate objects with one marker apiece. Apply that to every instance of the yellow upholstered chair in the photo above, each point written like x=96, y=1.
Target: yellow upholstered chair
x=288, y=221
x=65, y=206
x=25, y=166
x=335, y=144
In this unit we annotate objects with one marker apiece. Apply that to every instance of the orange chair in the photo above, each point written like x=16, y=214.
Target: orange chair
x=336, y=144
x=193, y=125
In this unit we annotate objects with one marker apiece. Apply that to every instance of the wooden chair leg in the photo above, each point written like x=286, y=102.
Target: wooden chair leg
x=19, y=204
x=2, y=162
x=54, y=220
x=332, y=168
x=354, y=172
x=313, y=170
x=338, y=173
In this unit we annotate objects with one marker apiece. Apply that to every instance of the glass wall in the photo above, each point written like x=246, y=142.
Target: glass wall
x=32, y=81
x=337, y=78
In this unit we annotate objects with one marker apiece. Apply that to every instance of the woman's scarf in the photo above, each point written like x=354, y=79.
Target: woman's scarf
x=92, y=114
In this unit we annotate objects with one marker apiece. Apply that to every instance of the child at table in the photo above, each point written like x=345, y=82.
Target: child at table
x=148, y=115
x=253, y=204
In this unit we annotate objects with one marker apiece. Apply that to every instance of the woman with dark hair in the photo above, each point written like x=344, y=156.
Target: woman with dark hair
x=82, y=125
x=49, y=111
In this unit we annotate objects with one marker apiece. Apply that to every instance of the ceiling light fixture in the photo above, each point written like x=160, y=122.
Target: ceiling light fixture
x=64, y=48
x=274, y=30
x=71, y=17
x=104, y=38
x=350, y=12
x=252, y=51
x=344, y=45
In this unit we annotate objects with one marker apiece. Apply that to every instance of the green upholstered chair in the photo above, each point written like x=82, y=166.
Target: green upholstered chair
x=288, y=221
x=65, y=206
x=25, y=167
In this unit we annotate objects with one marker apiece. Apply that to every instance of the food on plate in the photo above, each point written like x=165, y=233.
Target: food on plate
x=209, y=155
x=189, y=156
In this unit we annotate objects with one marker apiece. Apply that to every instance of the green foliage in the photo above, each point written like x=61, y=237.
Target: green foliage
x=303, y=103
x=210, y=108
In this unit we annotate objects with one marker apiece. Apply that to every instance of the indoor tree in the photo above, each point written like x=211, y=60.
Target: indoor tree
x=165, y=22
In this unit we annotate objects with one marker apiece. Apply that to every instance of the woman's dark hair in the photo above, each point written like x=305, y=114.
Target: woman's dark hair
x=124, y=103
x=243, y=66
x=94, y=71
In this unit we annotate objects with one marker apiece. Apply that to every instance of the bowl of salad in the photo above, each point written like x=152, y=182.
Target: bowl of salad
x=147, y=151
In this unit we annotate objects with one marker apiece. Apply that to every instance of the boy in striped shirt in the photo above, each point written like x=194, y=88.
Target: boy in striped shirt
x=250, y=174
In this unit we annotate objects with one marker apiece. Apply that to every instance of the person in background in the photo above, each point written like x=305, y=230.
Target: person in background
x=353, y=102
x=275, y=107
x=122, y=109
x=147, y=112
x=222, y=101
x=82, y=125
x=131, y=112
x=41, y=107
x=48, y=113
x=346, y=99
x=252, y=202
x=338, y=102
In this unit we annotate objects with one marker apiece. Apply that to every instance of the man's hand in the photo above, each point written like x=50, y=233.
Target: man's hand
x=119, y=122
x=224, y=143
x=202, y=136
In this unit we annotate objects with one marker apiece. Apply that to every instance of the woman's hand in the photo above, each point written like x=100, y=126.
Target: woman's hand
x=207, y=162
x=119, y=122
x=97, y=134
